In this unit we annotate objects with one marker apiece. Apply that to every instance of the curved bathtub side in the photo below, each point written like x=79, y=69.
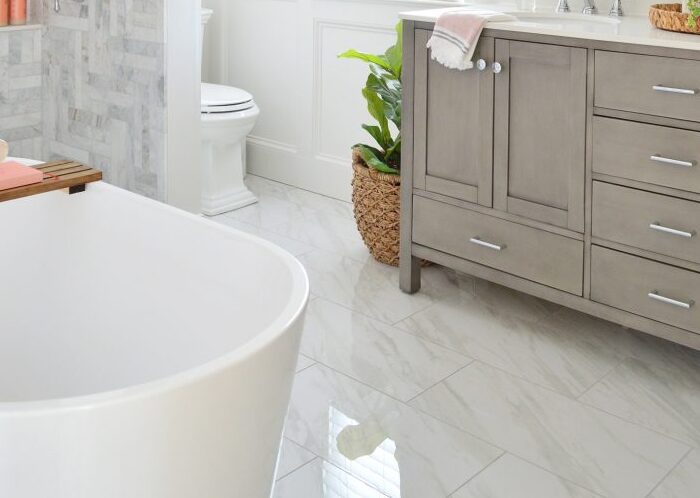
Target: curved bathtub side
x=216, y=437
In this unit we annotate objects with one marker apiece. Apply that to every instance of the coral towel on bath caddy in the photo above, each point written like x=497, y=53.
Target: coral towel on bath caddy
x=456, y=34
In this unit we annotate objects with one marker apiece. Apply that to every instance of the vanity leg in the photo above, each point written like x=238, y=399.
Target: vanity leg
x=409, y=278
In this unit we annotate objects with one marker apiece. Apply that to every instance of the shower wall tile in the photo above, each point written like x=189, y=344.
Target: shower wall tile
x=20, y=91
x=104, y=91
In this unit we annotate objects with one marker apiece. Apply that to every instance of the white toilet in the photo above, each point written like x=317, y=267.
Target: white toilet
x=228, y=116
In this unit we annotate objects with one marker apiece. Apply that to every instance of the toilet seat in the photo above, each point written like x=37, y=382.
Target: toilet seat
x=220, y=99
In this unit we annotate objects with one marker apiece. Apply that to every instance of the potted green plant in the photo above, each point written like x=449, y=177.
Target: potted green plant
x=376, y=166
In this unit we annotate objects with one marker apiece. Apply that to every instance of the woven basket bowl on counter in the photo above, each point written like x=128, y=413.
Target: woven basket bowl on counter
x=670, y=17
x=377, y=203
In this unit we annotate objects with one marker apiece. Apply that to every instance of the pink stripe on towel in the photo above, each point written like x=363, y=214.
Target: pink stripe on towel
x=457, y=33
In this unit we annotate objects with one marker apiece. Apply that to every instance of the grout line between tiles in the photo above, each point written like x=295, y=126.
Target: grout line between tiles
x=493, y=462
x=661, y=481
x=314, y=459
x=475, y=362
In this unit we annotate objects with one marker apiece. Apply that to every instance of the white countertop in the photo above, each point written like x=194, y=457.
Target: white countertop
x=629, y=29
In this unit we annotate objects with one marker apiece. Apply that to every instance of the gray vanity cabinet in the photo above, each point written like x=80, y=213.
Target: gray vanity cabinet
x=565, y=168
x=453, y=149
x=540, y=132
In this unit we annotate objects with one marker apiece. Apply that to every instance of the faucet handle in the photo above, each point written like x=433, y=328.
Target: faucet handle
x=562, y=6
x=589, y=7
x=616, y=9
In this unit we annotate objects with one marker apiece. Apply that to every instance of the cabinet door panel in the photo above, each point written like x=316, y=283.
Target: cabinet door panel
x=453, y=126
x=540, y=132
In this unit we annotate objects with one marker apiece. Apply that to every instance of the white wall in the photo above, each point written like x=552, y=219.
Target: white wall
x=284, y=53
x=183, y=174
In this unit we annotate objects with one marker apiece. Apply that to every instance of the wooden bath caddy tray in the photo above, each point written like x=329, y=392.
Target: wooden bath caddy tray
x=57, y=175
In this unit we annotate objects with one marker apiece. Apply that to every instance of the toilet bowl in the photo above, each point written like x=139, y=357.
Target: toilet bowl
x=228, y=115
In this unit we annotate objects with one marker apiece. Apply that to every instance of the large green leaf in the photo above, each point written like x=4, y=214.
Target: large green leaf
x=375, y=105
x=394, y=54
x=374, y=162
x=376, y=133
x=379, y=60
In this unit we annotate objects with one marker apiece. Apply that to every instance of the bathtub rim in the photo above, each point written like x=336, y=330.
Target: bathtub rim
x=292, y=312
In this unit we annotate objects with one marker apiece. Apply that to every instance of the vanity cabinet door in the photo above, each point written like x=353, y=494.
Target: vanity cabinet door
x=540, y=132
x=453, y=127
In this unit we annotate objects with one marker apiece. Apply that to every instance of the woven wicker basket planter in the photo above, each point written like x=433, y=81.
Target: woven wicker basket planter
x=670, y=17
x=376, y=199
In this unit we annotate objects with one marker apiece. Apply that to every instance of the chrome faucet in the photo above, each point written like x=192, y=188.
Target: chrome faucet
x=56, y=6
x=616, y=9
x=589, y=7
x=562, y=6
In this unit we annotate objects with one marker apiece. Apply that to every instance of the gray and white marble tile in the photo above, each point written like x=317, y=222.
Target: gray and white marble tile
x=324, y=231
x=292, y=456
x=369, y=287
x=385, y=443
x=388, y=359
x=104, y=93
x=512, y=477
x=268, y=213
x=292, y=246
x=320, y=479
x=665, y=398
x=579, y=443
x=21, y=118
x=262, y=187
x=503, y=330
x=683, y=481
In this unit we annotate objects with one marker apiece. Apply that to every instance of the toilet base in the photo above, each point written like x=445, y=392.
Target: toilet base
x=228, y=202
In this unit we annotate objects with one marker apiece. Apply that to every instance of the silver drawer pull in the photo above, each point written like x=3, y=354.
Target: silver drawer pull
x=670, y=89
x=660, y=228
x=675, y=162
x=489, y=245
x=663, y=299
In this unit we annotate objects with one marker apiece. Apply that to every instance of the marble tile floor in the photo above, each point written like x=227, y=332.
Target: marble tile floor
x=467, y=389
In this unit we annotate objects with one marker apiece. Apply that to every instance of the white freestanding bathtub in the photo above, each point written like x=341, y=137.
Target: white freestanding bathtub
x=144, y=352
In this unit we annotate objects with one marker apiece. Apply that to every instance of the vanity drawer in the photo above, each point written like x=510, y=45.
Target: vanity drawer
x=657, y=223
x=647, y=288
x=533, y=254
x=647, y=153
x=661, y=86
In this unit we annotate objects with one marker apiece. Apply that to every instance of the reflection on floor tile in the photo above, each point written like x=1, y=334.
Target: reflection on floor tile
x=582, y=444
x=292, y=456
x=516, y=340
x=385, y=443
x=638, y=396
x=684, y=481
x=320, y=479
x=511, y=477
x=376, y=354
x=370, y=288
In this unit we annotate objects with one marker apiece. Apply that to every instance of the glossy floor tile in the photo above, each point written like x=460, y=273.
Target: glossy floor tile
x=320, y=479
x=591, y=448
x=518, y=338
x=388, y=359
x=391, y=446
x=683, y=481
x=510, y=396
x=511, y=477
x=292, y=456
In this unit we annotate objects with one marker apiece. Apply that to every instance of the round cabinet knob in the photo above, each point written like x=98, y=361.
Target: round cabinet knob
x=481, y=64
x=497, y=68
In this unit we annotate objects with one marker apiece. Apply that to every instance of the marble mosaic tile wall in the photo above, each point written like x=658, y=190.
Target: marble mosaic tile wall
x=104, y=91
x=20, y=91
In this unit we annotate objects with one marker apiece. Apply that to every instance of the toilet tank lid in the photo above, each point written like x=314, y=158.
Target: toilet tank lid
x=215, y=95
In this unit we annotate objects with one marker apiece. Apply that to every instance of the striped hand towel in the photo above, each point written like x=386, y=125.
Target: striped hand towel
x=456, y=34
